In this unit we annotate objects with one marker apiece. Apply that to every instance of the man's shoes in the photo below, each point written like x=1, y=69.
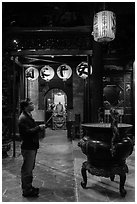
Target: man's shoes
x=31, y=192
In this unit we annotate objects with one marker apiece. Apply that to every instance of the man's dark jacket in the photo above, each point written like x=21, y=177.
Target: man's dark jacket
x=29, y=132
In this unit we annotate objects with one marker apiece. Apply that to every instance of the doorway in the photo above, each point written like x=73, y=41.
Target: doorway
x=55, y=109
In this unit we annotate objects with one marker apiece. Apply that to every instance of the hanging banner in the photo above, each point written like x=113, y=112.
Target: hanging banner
x=31, y=73
x=47, y=73
x=82, y=70
x=64, y=72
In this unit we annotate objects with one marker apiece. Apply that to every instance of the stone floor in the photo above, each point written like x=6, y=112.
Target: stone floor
x=57, y=174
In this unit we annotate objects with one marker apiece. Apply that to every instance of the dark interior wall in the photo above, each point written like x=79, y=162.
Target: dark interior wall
x=119, y=72
x=128, y=98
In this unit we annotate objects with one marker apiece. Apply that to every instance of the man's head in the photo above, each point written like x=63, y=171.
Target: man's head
x=26, y=105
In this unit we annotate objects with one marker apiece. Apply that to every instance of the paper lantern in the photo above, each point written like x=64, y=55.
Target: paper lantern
x=64, y=72
x=47, y=73
x=31, y=73
x=104, y=26
x=82, y=70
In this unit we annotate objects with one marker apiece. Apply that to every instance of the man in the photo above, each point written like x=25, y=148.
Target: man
x=29, y=133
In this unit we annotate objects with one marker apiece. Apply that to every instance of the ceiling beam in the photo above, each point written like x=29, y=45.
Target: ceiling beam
x=50, y=52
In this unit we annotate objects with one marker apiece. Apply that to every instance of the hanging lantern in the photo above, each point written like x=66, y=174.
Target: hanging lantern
x=64, y=72
x=104, y=26
x=31, y=73
x=82, y=70
x=47, y=73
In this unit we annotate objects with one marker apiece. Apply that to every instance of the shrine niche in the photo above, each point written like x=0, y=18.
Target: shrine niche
x=55, y=109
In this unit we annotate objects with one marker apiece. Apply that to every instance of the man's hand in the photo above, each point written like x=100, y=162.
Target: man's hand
x=42, y=126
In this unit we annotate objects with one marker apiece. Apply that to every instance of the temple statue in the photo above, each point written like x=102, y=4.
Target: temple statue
x=59, y=109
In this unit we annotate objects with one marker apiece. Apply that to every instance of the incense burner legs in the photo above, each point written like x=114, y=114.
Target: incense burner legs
x=120, y=170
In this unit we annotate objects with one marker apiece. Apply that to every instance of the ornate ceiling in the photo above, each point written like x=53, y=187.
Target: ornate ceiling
x=37, y=16
x=65, y=14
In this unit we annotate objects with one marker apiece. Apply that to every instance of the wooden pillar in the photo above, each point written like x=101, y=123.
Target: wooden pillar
x=96, y=81
x=133, y=97
x=22, y=83
x=27, y=94
x=14, y=109
x=85, y=101
x=89, y=91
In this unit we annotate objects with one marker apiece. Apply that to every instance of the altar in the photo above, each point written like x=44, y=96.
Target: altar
x=59, y=121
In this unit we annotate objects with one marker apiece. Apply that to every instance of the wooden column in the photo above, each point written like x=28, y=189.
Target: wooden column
x=14, y=109
x=27, y=94
x=89, y=91
x=97, y=81
x=133, y=92
x=22, y=83
x=85, y=101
